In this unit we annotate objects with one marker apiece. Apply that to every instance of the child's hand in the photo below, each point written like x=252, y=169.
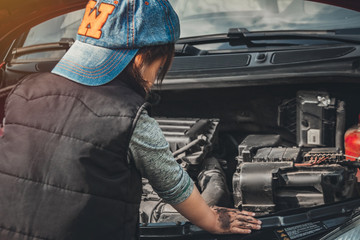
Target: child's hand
x=234, y=221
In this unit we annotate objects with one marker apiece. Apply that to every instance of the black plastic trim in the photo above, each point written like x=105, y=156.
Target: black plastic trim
x=310, y=55
x=185, y=230
x=200, y=63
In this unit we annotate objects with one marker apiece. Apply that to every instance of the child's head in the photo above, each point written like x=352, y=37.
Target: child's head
x=113, y=32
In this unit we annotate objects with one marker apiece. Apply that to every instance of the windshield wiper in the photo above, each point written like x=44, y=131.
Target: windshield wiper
x=241, y=36
x=188, y=50
x=63, y=44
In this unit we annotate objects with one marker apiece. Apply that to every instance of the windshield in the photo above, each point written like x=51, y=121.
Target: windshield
x=207, y=17
x=217, y=16
x=64, y=26
x=53, y=30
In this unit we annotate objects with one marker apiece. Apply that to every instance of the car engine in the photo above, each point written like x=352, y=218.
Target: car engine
x=300, y=163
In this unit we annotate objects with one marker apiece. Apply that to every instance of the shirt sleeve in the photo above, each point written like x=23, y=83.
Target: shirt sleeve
x=154, y=160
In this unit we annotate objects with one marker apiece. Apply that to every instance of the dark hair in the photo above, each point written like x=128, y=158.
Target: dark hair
x=149, y=55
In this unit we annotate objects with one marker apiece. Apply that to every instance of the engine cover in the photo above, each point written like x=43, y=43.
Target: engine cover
x=266, y=187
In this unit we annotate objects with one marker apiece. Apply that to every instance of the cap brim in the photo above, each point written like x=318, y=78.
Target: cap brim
x=92, y=65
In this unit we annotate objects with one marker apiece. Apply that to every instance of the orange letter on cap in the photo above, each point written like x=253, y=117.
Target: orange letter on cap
x=92, y=23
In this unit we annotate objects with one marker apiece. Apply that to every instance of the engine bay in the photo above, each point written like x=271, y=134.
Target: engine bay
x=261, y=149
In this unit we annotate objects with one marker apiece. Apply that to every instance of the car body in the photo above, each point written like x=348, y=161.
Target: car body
x=255, y=107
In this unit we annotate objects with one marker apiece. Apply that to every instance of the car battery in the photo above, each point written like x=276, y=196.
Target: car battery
x=316, y=119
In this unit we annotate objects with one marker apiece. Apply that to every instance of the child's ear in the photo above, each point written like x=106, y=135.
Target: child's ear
x=138, y=61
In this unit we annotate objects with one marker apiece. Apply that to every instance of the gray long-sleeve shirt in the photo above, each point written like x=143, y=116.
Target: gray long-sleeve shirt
x=155, y=162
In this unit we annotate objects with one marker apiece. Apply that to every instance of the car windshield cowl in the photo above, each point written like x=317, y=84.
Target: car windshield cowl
x=241, y=36
x=318, y=218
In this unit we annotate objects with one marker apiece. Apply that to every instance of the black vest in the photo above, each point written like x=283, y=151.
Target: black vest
x=64, y=168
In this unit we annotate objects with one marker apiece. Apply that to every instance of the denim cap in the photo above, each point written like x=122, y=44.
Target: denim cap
x=111, y=34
